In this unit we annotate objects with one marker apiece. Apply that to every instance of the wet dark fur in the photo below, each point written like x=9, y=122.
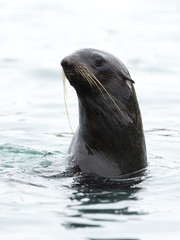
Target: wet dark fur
x=106, y=143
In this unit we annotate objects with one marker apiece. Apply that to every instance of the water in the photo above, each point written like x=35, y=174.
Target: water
x=36, y=200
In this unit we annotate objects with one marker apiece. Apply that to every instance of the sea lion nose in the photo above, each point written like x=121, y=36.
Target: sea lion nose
x=68, y=63
x=64, y=63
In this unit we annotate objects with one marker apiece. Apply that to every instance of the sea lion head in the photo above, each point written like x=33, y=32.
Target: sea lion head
x=87, y=62
x=95, y=72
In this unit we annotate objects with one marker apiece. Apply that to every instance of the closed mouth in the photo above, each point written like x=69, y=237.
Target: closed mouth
x=70, y=75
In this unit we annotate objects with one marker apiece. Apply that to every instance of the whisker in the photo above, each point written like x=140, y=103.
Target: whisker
x=82, y=73
x=92, y=77
x=111, y=98
x=109, y=95
x=65, y=102
x=88, y=74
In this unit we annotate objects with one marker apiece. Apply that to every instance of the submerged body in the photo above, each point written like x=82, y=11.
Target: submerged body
x=109, y=141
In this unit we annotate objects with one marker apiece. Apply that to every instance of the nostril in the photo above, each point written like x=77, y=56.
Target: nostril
x=64, y=63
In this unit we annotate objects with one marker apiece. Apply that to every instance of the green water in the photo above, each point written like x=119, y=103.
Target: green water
x=37, y=200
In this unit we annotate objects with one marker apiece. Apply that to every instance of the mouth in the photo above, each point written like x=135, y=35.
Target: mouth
x=72, y=77
x=69, y=74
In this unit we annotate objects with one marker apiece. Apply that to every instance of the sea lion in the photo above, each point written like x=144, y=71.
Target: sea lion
x=109, y=141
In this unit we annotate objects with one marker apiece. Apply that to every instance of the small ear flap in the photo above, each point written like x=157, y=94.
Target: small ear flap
x=129, y=79
x=126, y=75
x=129, y=83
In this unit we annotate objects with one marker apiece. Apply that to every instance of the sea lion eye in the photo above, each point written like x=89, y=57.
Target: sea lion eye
x=98, y=61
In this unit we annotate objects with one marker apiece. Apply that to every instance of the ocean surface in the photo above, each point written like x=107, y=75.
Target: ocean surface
x=38, y=201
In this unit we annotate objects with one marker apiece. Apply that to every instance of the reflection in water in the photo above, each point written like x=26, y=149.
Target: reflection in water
x=79, y=225
x=113, y=238
x=92, y=195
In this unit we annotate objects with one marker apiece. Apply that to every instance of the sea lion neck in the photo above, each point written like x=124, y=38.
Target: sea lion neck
x=100, y=122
